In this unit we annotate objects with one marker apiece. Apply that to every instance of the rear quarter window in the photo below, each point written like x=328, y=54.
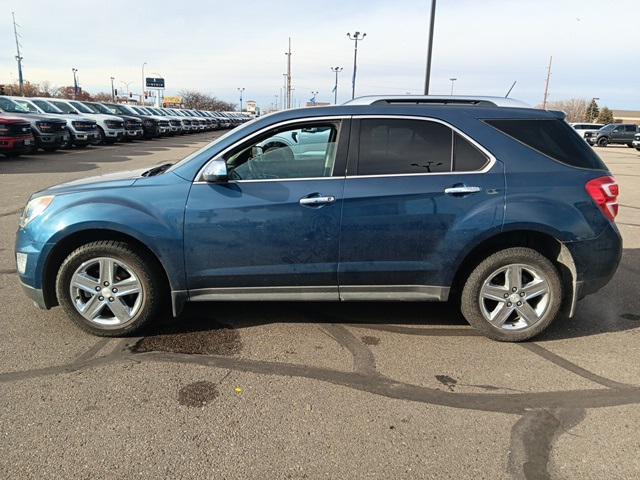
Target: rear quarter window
x=554, y=138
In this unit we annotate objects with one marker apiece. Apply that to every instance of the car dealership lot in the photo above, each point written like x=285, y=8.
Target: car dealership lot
x=289, y=390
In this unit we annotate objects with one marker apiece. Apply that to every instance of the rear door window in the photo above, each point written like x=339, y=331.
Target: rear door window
x=553, y=138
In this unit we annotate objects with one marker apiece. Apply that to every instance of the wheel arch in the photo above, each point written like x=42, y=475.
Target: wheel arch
x=542, y=242
x=68, y=244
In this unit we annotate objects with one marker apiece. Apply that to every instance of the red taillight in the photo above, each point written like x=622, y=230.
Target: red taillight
x=604, y=191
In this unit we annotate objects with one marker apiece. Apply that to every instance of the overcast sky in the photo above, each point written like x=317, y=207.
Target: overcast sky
x=217, y=46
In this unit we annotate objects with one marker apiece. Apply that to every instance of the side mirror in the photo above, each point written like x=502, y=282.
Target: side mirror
x=216, y=172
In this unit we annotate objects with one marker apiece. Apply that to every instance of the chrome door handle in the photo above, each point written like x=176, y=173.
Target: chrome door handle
x=461, y=190
x=316, y=201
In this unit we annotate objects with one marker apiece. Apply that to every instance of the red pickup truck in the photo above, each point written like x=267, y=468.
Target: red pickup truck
x=15, y=136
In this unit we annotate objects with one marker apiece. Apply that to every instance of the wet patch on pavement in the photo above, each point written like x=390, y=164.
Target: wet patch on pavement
x=447, y=381
x=370, y=340
x=203, y=338
x=197, y=394
x=630, y=316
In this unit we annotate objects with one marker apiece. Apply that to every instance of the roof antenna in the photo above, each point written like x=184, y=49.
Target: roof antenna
x=513, y=85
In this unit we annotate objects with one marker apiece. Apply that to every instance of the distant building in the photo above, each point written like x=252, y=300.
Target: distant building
x=251, y=107
x=626, y=116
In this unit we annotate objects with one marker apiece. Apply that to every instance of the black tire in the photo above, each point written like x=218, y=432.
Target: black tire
x=11, y=154
x=50, y=149
x=638, y=148
x=603, y=141
x=154, y=290
x=470, y=301
x=69, y=143
x=103, y=137
x=629, y=145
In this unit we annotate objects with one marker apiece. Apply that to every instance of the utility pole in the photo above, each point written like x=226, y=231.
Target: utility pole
x=75, y=83
x=18, y=55
x=241, y=90
x=452, y=81
x=143, y=86
x=113, y=91
x=546, y=85
x=288, y=75
x=336, y=70
x=356, y=36
x=427, y=77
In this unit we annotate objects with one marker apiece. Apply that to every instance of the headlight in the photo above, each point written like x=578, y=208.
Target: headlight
x=35, y=208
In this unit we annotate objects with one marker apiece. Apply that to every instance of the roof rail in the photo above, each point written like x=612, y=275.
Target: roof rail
x=481, y=101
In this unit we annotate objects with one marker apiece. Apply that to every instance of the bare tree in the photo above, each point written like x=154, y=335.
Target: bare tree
x=102, y=97
x=202, y=101
x=574, y=108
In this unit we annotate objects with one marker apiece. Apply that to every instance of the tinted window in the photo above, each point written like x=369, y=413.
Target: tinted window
x=631, y=128
x=466, y=157
x=554, y=138
x=390, y=146
x=301, y=152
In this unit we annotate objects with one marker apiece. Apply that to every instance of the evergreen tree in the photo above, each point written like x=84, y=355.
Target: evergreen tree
x=592, y=112
x=605, y=116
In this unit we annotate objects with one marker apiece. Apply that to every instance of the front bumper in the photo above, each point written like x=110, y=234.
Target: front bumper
x=134, y=133
x=164, y=130
x=84, y=138
x=51, y=139
x=34, y=294
x=114, y=134
x=16, y=144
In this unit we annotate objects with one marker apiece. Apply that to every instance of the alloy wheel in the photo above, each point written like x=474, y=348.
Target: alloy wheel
x=107, y=292
x=515, y=297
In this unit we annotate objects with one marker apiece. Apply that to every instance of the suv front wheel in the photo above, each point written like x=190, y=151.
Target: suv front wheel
x=109, y=288
x=603, y=141
x=513, y=295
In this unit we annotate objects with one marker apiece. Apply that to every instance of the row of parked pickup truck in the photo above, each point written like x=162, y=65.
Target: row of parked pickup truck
x=29, y=124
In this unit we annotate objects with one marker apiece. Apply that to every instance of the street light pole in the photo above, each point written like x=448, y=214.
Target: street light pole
x=75, y=83
x=430, y=48
x=356, y=36
x=452, y=80
x=113, y=91
x=336, y=70
x=241, y=90
x=143, y=86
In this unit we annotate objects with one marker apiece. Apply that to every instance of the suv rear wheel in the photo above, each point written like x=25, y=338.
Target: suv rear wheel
x=109, y=288
x=512, y=295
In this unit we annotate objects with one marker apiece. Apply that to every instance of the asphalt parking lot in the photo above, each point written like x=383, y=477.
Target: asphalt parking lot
x=284, y=390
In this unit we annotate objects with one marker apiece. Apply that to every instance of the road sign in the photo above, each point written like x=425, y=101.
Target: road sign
x=154, y=82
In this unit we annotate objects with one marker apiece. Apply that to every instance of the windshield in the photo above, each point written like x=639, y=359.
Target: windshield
x=27, y=105
x=139, y=111
x=120, y=109
x=47, y=107
x=92, y=108
x=11, y=106
x=102, y=108
x=216, y=141
x=65, y=107
x=80, y=107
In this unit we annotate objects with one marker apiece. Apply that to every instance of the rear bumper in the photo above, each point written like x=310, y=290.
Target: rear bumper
x=596, y=260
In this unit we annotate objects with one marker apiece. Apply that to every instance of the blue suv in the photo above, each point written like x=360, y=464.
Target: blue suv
x=503, y=209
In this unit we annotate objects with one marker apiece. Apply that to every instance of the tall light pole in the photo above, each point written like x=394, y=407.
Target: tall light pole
x=18, y=55
x=427, y=77
x=126, y=84
x=546, y=85
x=75, y=82
x=336, y=70
x=113, y=91
x=355, y=37
x=143, y=85
x=452, y=80
x=288, y=74
x=241, y=90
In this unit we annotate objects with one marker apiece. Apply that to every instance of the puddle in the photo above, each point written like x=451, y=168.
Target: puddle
x=197, y=394
x=370, y=340
x=203, y=338
x=630, y=316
